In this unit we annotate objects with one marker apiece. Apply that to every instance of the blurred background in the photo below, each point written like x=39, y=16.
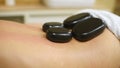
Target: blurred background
x=41, y=11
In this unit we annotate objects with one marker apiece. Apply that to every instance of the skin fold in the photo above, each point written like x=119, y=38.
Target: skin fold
x=25, y=46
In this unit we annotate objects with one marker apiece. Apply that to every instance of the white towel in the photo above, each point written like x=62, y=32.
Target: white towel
x=111, y=20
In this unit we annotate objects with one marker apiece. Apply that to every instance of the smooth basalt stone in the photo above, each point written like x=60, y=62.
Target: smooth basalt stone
x=48, y=25
x=71, y=21
x=59, y=35
x=88, y=29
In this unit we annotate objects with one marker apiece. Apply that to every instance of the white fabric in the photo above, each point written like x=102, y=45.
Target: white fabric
x=111, y=20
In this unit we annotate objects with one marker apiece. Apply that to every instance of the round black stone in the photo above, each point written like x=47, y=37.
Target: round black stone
x=59, y=35
x=71, y=21
x=48, y=25
x=88, y=29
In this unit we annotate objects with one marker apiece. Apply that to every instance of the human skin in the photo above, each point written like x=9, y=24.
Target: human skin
x=24, y=46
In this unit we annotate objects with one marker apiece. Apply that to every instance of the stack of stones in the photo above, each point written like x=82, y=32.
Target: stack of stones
x=83, y=27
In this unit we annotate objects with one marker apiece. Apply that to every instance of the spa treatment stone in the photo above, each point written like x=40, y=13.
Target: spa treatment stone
x=48, y=25
x=59, y=35
x=88, y=29
x=71, y=21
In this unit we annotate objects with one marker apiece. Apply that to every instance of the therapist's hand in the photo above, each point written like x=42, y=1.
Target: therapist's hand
x=23, y=46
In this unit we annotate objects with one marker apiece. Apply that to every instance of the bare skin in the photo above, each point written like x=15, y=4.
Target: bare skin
x=24, y=46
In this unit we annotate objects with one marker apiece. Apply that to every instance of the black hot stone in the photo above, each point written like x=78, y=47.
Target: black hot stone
x=73, y=20
x=48, y=25
x=88, y=29
x=59, y=35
